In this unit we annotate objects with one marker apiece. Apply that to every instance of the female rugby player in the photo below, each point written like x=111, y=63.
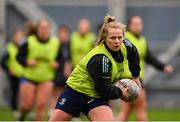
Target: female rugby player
x=135, y=26
x=89, y=87
x=38, y=54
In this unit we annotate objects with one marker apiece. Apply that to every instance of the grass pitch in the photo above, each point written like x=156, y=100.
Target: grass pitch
x=153, y=114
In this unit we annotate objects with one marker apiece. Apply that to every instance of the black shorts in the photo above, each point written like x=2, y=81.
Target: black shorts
x=73, y=102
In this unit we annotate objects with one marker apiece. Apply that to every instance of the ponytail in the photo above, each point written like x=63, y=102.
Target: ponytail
x=109, y=22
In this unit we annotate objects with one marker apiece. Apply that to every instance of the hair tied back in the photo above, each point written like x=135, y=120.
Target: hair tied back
x=108, y=19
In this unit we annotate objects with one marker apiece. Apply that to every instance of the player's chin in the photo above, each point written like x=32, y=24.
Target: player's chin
x=116, y=49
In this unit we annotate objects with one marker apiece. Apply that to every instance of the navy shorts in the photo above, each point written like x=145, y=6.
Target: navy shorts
x=73, y=102
x=24, y=80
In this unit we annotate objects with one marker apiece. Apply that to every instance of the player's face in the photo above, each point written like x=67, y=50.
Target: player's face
x=63, y=35
x=43, y=30
x=114, y=38
x=83, y=26
x=136, y=25
x=18, y=36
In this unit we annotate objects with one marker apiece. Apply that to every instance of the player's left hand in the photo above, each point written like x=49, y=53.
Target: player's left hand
x=136, y=79
x=55, y=64
x=168, y=69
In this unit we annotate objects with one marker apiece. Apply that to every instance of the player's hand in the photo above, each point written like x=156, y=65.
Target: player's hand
x=168, y=69
x=136, y=79
x=55, y=64
x=129, y=88
x=67, y=69
x=125, y=94
x=31, y=62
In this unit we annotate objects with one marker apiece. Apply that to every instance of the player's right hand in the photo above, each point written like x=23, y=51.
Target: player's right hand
x=136, y=79
x=31, y=62
x=55, y=64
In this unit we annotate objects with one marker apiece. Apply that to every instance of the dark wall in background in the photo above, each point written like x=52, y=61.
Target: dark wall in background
x=70, y=15
x=14, y=19
x=161, y=23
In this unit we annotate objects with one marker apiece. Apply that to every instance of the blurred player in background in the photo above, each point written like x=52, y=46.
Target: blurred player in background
x=29, y=28
x=89, y=87
x=81, y=41
x=135, y=27
x=13, y=68
x=64, y=68
x=38, y=55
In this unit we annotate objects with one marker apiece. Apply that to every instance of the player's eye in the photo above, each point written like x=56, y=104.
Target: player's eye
x=120, y=37
x=113, y=38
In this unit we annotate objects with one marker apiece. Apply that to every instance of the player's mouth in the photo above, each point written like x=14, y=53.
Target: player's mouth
x=117, y=46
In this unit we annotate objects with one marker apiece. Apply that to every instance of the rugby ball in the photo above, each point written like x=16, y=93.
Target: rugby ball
x=134, y=90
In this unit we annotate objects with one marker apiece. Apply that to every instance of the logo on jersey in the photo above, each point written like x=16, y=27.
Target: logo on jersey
x=62, y=101
x=127, y=43
x=90, y=101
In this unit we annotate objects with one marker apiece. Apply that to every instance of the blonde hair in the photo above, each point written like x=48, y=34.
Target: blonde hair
x=109, y=22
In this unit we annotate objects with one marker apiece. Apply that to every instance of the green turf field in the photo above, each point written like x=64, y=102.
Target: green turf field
x=153, y=114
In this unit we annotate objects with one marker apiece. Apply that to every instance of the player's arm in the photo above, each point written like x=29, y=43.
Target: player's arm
x=67, y=57
x=67, y=62
x=133, y=61
x=58, y=62
x=99, y=68
x=22, y=54
x=151, y=59
x=4, y=59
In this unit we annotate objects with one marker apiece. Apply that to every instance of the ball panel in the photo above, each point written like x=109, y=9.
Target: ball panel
x=134, y=90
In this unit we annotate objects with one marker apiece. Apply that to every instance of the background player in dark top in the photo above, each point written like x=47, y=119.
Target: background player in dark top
x=135, y=26
x=64, y=68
